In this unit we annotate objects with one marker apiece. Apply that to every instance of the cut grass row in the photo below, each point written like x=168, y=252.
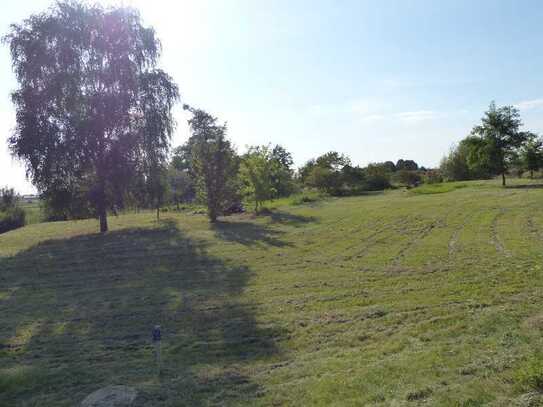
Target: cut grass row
x=395, y=298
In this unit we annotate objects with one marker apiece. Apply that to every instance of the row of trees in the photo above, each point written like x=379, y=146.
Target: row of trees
x=208, y=169
x=334, y=174
x=495, y=147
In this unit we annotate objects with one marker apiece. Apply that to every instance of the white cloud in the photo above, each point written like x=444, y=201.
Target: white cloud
x=530, y=104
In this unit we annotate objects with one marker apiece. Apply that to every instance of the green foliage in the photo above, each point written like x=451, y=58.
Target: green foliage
x=377, y=177
x=432, y=177
x=333, y=174
x=454, y=166
x=214, y=163
x=408, y=178
x=256, y=169
x=8, y=199
x=12, y=216
x=496, y=138
x=406, y=165
x=93, y=109
x=181, y=185
x=531, y=155
x=530, y=376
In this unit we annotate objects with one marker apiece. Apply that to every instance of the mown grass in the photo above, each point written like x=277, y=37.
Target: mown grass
x=388, y=299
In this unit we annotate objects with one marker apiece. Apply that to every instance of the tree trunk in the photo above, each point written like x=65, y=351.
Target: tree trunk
x=102, y=212
x=157, y=213
x=531, y=174
x=212, y=216
x=503, y=179
x=103, y=218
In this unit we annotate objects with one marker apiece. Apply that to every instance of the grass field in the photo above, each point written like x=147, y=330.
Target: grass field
x=397, y=298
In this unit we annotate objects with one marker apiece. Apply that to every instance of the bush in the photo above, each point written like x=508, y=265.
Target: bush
x=433, y=177
x=12, y=218
x=408, y=178
x=377, y=182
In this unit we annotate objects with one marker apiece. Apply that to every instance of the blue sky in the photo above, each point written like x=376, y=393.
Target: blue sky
x=377, y=80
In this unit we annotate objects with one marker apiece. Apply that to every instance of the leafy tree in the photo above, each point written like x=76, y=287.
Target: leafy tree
x=408, y=165
x=482, y=156
x=11, y=215
x=454, y=166
x=256, y=172
x=390, y=166
x=92, y=108
x=157, y=188
x=333, y=161
x=214, y=162
x=181, y=185
x=326, y=179
x=305, y=170
x=531, y=155
x=500, y=132
x=8, y=199
x=325, y=172
x=282, y=174
x=377, y=177
x=182, y=157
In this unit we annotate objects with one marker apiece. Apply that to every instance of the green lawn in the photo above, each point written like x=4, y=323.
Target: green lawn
x=396, y=298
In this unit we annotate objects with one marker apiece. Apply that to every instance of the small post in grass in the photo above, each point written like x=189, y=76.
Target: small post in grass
x=157, y=336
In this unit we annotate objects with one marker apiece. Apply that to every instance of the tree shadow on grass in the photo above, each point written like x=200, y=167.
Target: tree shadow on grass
x=78, y=315
x=252, y=233
x=249, y=233
x=291, y=219
x=525, y=186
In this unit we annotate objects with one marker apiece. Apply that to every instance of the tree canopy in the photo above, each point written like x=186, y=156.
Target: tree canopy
x=213, y=161
x=93, y=110
x=498, y=135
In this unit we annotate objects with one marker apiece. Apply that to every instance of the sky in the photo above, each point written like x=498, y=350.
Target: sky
x=377, y=80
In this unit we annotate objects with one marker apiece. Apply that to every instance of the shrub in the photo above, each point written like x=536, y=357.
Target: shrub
x=377, y=182
x=433, y=177
x=12, y=218
x=408, y=178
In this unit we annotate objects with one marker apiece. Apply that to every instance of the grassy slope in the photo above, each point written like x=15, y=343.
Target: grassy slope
x=388, y=299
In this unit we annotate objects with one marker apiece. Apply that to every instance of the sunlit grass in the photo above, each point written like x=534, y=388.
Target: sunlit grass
x=389, y=299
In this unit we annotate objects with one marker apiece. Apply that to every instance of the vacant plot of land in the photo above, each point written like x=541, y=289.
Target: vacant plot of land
x=392, y=299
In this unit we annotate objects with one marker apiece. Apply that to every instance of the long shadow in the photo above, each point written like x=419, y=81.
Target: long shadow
x=525, y=186
x=249, y=233
x=77, y=315
x=291, y=219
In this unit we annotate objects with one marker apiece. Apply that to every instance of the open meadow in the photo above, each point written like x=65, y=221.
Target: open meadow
x=421, y=297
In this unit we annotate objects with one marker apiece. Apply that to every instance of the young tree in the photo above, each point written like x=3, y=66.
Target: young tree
x=500, y=132
x=214, y=162
x=282, y=173
x=325, y=173
x=256, y=170
x=531, y=155
x=157, y=188
x=91, y=105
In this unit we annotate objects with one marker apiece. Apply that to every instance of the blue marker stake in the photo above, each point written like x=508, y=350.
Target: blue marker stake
x=157, y=336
